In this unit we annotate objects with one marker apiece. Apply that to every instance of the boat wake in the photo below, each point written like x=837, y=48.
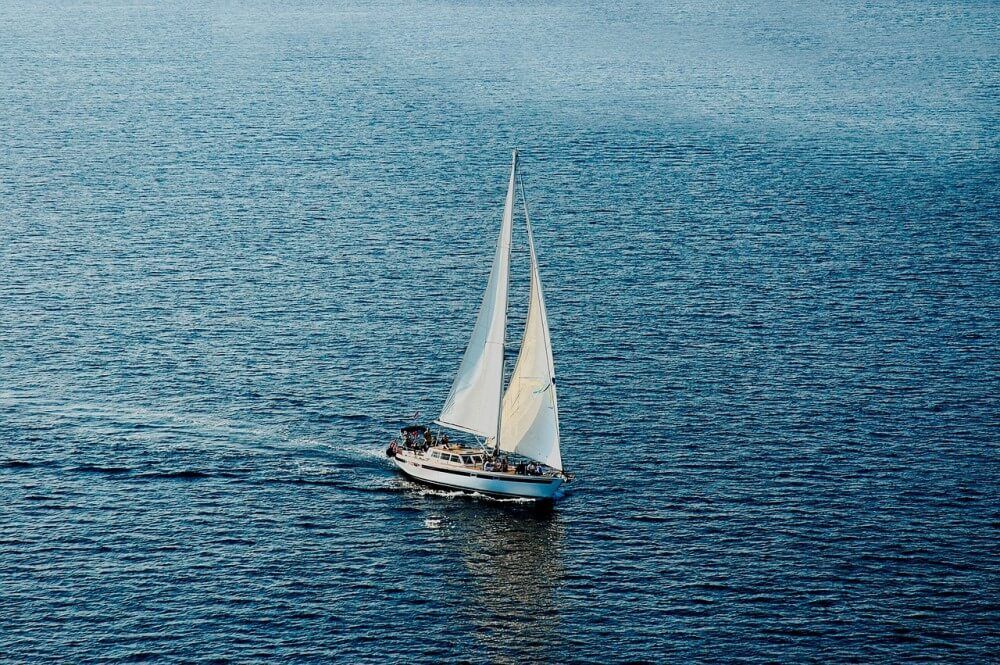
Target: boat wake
x=360, y=451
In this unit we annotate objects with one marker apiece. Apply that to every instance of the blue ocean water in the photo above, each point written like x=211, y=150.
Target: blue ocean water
x=240, y=242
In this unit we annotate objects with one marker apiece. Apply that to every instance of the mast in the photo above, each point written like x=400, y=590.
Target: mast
x=503, y=346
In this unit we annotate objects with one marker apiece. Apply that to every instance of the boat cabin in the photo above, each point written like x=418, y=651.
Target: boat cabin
x=463, y=456
x=476, y=458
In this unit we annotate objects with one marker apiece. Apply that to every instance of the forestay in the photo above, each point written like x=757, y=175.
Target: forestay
x=472, y=405
x=530, y=420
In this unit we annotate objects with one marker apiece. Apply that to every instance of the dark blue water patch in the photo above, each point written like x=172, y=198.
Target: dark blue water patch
x=97, y=468
x=182, y=474
x=307, y=481
x=16, y=464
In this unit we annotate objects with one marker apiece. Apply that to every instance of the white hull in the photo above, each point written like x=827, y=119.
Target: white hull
x=469, y=479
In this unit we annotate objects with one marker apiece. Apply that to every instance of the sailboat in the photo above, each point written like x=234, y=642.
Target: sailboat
x=516, y=453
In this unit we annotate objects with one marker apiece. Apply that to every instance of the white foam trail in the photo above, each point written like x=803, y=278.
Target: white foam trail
x=358, y=450
x=446, y=494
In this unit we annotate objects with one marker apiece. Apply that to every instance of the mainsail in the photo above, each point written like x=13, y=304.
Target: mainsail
x=474, y=400
x=530, y=420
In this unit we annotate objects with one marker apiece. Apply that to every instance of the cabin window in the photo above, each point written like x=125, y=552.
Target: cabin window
x=467, y=460
x=436, y=455
x=453, y=458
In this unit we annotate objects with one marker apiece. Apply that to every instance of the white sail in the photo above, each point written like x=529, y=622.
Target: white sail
x=474, y=401
x=530, y=419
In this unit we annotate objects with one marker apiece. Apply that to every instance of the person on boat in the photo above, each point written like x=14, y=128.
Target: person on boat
x=428, y=439
x=444, y=441
x=521, y=468
x=532, y=469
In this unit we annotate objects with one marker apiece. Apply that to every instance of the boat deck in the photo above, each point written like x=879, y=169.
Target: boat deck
x=472, y=459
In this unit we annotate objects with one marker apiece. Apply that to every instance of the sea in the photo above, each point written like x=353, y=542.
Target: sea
x=243, y=242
